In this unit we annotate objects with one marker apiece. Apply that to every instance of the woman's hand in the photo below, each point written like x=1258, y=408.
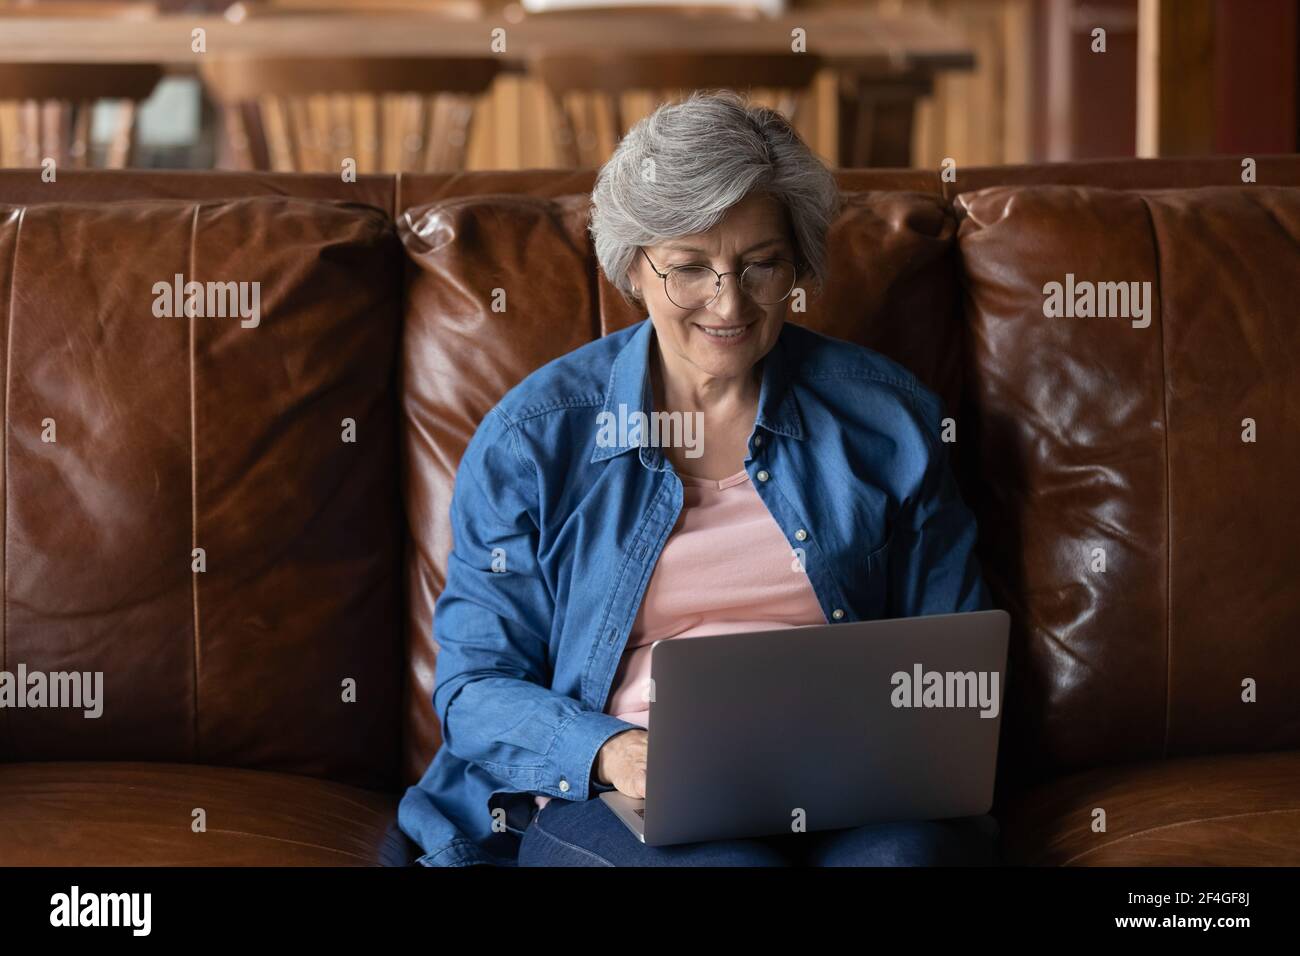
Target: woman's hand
x=621, y=762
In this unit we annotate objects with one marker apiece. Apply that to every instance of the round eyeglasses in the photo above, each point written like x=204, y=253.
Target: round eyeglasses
x=767, y=282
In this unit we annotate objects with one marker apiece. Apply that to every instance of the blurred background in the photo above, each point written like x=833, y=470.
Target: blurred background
x=444, y=85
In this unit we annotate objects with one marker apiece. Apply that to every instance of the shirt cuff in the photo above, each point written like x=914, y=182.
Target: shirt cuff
x=572, y=768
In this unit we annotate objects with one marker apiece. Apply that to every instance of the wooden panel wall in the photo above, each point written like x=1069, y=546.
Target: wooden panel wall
x=980, y=117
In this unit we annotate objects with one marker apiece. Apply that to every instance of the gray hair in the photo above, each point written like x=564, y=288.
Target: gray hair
x=680, y=169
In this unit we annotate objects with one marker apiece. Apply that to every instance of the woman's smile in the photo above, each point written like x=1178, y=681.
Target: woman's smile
x=726, y=336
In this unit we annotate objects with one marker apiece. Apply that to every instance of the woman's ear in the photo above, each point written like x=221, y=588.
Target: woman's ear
x=635, y=276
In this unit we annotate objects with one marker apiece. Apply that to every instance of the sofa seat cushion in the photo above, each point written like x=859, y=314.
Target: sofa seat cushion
x=142, y=814
x=1238, y=810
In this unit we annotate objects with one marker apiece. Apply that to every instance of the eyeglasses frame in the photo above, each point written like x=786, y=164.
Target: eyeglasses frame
x=740, y=278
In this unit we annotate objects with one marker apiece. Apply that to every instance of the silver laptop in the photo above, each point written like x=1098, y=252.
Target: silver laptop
x=819, y=728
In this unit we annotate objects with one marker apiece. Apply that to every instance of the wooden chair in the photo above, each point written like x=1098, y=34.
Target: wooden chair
x=459, y=9
x=46, y=109
x=586, y=91
x=746, y=11
x=308, y=115
x=42, y=9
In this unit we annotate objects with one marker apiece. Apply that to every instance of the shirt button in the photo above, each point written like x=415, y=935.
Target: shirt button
x=564, y=785
x=801, y=535
x=763, y=476
x=758, y=440
x=838, y=614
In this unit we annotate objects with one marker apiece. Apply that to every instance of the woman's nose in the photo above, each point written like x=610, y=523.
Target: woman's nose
x=730, y=301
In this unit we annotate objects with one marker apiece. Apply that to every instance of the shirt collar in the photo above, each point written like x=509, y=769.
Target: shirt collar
x=629, y=388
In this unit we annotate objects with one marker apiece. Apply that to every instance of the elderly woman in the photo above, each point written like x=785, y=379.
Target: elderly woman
x=820, y=492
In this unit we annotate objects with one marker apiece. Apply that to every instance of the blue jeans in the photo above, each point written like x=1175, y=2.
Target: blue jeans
x=587, y=833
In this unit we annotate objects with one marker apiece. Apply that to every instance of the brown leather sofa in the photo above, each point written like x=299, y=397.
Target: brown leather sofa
x=270, y=707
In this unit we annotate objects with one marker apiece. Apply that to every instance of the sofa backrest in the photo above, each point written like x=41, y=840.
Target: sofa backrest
x=1136, y=444
x=134, y=438
x=944, y=276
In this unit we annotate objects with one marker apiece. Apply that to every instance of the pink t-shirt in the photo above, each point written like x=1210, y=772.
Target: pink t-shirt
x=726, y=567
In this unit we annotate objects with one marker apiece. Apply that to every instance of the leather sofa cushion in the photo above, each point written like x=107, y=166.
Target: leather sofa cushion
x=1234, y=810
x=142, y=814
x=1094, y=436
x=182, y=433
x=892, y=285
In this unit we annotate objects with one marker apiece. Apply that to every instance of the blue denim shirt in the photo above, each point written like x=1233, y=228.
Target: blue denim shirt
x=556, y=533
